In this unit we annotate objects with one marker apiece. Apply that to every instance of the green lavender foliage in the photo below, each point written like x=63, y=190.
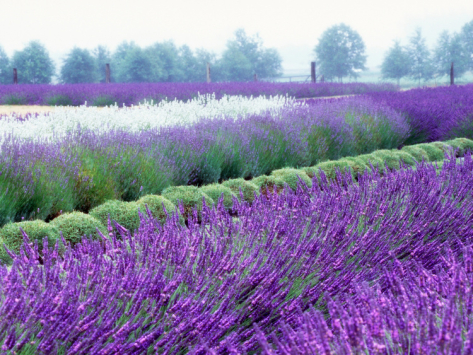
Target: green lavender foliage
x=37, y=230
x=292, y=177
x=463, y=145
x=124, y=213
x=405, y=157
x=390, y=159
x=357, y=165
x=59, y=100
x=158, y=206
x=216, y=191
x=331, y=168
x=265, y=182
x=189, y=197
x=247, y=188
x=419, y=154
x=433, y=152
x=76, y=225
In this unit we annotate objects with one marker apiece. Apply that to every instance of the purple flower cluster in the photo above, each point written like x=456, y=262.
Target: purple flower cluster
x=132, y=94
x=380, y=266
x=434, y=113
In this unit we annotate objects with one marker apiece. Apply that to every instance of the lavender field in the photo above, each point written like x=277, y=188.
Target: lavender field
x=67, y=161
x=382, y=266
x=240, y=225
x=132, y=94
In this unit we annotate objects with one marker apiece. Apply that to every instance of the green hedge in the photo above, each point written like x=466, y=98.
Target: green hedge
x=76, y=225
x=37, y=230
x=215, y=191
x=292, y=177
x=247, y=188
x=124, y=213
x=189, y=196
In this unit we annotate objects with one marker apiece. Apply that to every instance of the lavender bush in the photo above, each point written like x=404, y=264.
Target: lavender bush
x=132, y=94
x=434, y=113
x=383, y=266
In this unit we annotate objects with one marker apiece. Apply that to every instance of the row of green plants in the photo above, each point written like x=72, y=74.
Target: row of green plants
x=57, y=100
x=185, y=200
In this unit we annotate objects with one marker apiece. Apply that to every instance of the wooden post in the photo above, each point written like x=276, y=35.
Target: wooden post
x=15, y=76
x=322, y=79
x=255, y=77
x=107, y=73
x=452, y=75
x=208, y=72
x=312, y=72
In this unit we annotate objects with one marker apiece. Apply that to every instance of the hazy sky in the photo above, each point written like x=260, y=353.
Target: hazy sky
x=293, y=27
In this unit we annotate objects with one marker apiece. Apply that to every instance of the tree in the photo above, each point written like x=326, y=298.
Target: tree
x=245, y=56
x=419, y=55
x=118, y=59
x=270, y=64
x=135, y=67
x=78, y=67
x=450, y=49
x=102, y=56
x=467, y=39
x=6, y=74
x=203, y=57
x=340, y=52
x=165, y=61
x=396, y=63
x=192, y=70
x=234, y=65
x=33, y=64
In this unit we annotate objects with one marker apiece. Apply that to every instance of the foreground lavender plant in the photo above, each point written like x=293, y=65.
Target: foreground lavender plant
x=383, y=264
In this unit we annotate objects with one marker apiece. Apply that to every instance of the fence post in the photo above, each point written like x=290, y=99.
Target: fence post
x=107, y=73
x=255, y=77
x=312, y=72
x=322, y=79
x=15, y=76
x=208, y=72
x=452, y=75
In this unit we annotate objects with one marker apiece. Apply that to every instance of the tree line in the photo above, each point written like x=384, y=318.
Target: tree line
x=340, y=53
x=418, y=62
x=243, y=57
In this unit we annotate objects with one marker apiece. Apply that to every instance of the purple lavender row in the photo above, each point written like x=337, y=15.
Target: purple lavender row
x=385, y=263
x=128, y=94
x=434, y=113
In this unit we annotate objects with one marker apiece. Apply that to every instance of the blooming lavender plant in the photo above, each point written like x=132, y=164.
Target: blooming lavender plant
x=382, y=266
x=434, y=113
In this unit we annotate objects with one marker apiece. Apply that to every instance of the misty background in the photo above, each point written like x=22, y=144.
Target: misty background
x=293, y=28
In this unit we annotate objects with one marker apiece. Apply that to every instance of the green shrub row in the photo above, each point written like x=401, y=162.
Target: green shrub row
x=75, y=225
